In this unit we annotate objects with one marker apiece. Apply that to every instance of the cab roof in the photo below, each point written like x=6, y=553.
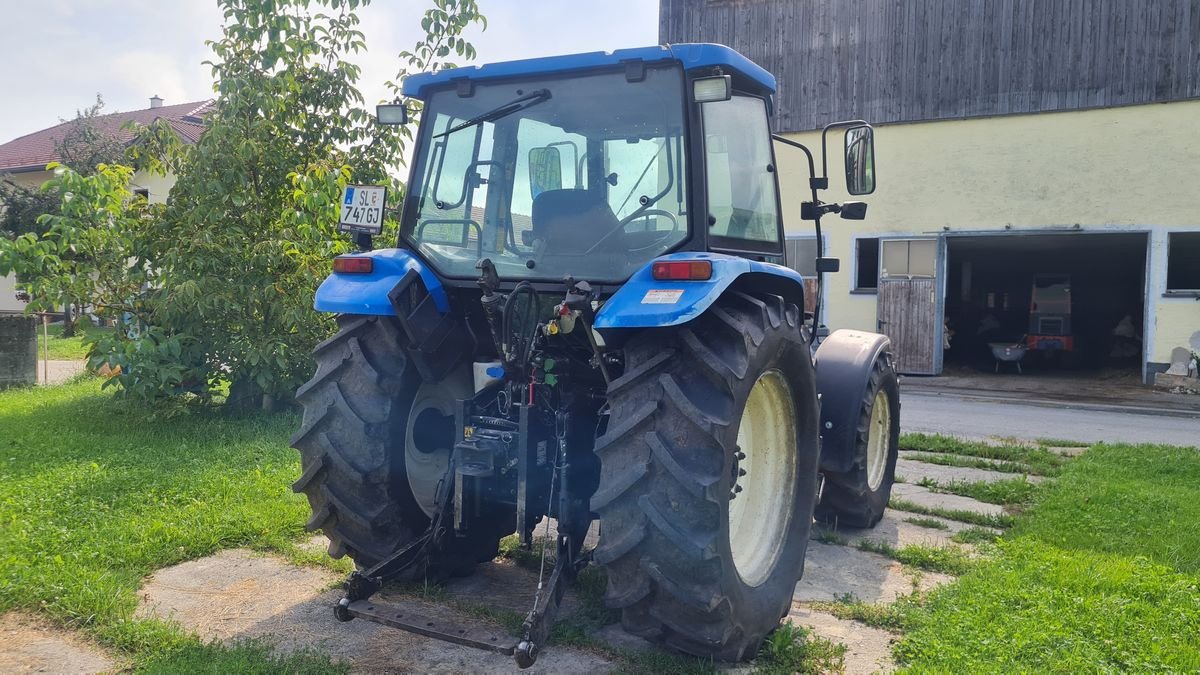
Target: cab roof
x=690, y=55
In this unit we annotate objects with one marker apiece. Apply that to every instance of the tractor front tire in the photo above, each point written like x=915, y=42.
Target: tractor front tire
x=357, y=410
x=708, y=477
x=859, y=496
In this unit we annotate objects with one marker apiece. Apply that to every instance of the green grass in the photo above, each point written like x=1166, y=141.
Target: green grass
x=1125, y=499
x=1032, y=460
x=1002, y=520
x=244, y=658
x=945, y=559
x=72, y=348
x=923, y=521
x=975, y=535
x=973, y=463
x=1007, y=492
x=1101, y=574
x=96, y=494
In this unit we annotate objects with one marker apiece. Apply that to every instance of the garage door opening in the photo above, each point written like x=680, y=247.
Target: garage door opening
x=1070, y=302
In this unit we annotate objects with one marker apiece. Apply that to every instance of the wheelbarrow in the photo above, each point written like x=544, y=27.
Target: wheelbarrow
x=1008, y=352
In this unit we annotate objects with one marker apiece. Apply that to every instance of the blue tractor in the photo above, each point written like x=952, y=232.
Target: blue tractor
x=585, y=319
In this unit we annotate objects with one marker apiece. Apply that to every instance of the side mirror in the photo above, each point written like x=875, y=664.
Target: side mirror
x=545, y=170
x=860, y=161
x=391, y=113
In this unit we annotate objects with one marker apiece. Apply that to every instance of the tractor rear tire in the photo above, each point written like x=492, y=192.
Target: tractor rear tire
x=859, y=497
x=671, y=484
x=352, y=441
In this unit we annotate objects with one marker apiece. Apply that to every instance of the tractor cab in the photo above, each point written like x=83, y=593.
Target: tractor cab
x=592, y=165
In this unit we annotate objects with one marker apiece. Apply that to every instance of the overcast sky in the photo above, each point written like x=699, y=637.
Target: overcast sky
x=128, y=50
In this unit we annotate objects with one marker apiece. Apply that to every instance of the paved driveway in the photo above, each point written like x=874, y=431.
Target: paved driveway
x=945, y=414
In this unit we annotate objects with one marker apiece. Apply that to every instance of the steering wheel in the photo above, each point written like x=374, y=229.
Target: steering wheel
x=629, y=219
x=650, y=213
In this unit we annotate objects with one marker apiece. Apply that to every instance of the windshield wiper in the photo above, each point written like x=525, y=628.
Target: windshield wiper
x=526, y=101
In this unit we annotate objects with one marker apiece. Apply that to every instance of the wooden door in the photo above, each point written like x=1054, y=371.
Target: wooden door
x=909, y=310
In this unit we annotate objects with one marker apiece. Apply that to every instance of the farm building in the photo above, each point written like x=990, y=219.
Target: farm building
x=1038, y=169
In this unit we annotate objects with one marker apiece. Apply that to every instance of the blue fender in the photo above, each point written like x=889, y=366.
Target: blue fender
x=368, y=293
x=644, y=302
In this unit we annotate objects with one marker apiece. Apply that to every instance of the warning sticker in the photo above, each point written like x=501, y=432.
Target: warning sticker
x=662, y=296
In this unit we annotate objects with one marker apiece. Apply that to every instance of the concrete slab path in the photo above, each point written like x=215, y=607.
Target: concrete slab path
x=31, y=645
x=912, y=471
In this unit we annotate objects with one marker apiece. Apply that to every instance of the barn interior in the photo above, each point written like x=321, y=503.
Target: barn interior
x=990, y=286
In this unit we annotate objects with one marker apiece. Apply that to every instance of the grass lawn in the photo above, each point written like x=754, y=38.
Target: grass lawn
x=96, y=494
x=1101, y=574
x=68, y=349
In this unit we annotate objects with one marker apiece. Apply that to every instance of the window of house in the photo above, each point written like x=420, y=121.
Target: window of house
x=1183, y=261
x=909, y=258
x=866, y=264
x=142, y=192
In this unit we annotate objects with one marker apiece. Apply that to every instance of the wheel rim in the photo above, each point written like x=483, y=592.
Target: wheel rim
x=427, y=442
x=879, y=434
x=760, y=506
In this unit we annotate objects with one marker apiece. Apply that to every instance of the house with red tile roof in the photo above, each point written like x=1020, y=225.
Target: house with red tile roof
x=23, y=160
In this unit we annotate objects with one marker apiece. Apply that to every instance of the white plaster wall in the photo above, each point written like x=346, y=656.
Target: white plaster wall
x=1125, y=169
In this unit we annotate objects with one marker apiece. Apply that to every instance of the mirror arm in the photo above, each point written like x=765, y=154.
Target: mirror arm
x=813, y=184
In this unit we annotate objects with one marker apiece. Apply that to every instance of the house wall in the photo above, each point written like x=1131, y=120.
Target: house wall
x=1114, y=169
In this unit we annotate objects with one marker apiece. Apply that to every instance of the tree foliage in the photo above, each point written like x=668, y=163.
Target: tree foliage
x=83, y=148
x=216, y=286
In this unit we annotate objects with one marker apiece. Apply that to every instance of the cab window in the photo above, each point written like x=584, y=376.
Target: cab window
x=743, y=207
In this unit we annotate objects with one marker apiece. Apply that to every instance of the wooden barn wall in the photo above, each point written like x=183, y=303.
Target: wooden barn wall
x=909, y=60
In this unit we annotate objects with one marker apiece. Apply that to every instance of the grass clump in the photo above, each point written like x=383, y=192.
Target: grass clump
x=1035, y=460
x=792, y=649
x=1001, y=520
x=925, y=521
x=828, y=536
x=945, y=559
x=894, y=617
x=1061, y=443
x=972, y=462
x=1010, y=491
x=975, y=535
x=98, y=494
x=250, y=657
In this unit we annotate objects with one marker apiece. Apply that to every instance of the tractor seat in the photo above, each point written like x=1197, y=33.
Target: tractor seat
x=570, y=222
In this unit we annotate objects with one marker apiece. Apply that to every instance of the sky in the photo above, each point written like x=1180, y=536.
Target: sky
x=130, y=50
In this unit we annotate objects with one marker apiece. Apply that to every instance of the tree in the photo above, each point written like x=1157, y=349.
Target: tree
x=217, y=286
x=83, y=148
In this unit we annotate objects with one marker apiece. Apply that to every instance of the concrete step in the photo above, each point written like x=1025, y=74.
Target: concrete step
x=913, y=471
x=892, y=529
x=832, y=571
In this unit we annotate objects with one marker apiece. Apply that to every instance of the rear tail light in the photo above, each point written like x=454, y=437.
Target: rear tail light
x=682, y=270
x=353, y=265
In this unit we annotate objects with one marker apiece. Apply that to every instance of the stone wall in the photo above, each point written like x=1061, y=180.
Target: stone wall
x=18, y=351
